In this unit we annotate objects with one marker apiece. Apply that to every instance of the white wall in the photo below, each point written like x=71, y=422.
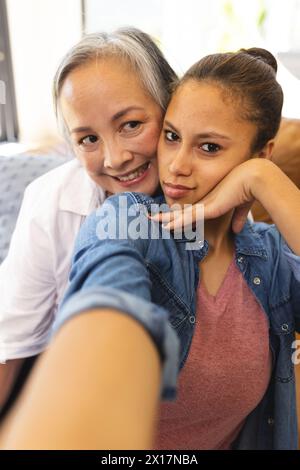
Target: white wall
x=41, y=31
x=111, y=14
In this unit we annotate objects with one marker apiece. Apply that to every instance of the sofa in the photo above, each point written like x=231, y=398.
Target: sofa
x=16, y=173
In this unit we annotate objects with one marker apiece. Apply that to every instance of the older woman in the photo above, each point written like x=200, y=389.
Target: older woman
x=110, y=92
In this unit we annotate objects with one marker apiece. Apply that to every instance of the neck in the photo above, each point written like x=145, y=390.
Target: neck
x=219, y=234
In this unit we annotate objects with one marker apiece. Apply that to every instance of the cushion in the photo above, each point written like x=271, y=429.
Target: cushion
x=286, y=155
x=16, y=172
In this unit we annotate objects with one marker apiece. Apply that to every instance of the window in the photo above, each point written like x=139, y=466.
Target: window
x=8, y=118
x=188, y=30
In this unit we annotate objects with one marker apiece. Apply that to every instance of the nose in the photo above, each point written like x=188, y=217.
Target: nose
x=181, y=163
x=116, y=156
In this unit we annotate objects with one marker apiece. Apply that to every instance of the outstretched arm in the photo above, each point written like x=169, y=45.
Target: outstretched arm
x=113, y=354
x=96, y=387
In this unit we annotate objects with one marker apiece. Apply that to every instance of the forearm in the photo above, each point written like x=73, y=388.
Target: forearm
x=281, y=199
x=96, y=387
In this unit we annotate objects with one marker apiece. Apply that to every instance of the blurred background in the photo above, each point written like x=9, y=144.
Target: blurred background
x=35, y=34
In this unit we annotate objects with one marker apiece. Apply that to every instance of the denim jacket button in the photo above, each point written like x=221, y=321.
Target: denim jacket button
x=285, y=327
x=270, y=421
x=240, y=259
x=192, y=319
x=256, y=280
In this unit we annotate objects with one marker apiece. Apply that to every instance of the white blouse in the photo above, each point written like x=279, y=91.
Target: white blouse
x=34, y=275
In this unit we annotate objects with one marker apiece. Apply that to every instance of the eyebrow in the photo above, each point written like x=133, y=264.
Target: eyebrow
x=125, y=111
x=114, y=118
x=81, y=129
x=202, y=135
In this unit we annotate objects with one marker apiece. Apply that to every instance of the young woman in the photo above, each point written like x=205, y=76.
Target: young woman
x=230, y=335
x=216, y=146
x=110, y=93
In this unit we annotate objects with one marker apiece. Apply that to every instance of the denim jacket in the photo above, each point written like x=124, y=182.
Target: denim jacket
x=155, y=280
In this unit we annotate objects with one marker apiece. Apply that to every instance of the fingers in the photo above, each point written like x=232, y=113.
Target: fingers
x=177, y=219
x=240, y=217
x=170, y=220
x=163, y=217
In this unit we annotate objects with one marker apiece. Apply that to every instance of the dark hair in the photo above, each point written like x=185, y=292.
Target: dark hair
x=249, y=74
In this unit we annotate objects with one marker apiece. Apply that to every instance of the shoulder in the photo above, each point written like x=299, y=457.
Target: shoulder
x=276, y=247
x=259, y=238
x=263, y=231
x=131, y=204
x=262, y=227
x=128, y=199
x=268, y=233
x=122, y=216
x=66, y=190
x=52, y=182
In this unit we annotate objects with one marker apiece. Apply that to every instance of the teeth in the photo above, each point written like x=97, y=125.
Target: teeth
x=134, y=174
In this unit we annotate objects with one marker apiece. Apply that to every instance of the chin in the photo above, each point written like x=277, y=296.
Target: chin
x=175, y=202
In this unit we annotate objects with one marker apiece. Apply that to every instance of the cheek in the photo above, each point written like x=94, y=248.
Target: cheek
x=222, y=169
x=209, y=175
x=165, y=156
x=162, y=163
x=148, y=141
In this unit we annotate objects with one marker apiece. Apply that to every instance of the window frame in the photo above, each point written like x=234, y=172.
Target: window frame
x=8, y=110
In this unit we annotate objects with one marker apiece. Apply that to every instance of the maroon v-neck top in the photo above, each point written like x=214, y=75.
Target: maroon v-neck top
x=226, y=373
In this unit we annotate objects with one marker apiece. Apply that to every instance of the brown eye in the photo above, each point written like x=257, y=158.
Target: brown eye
x=210, y=148
x=88, y=143
x=171, y=136
x=88, y=140
x=131, y=125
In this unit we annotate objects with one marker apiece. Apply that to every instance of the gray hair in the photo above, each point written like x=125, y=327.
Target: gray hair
x=131, y=44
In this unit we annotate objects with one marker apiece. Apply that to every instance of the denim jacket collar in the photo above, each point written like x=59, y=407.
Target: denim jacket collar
x=249, y=242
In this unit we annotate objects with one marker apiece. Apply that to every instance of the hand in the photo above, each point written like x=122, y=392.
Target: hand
x=232, y=192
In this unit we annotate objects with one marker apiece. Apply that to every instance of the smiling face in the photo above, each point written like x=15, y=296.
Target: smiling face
x=203, y=139
x=114, y=125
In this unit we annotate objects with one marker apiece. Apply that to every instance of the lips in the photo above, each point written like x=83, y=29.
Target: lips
x=133, y=174
x=176, y=191
x=177, y=186
x=133, y=177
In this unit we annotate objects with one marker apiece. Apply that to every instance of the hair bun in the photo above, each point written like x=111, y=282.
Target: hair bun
x=263, y=55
